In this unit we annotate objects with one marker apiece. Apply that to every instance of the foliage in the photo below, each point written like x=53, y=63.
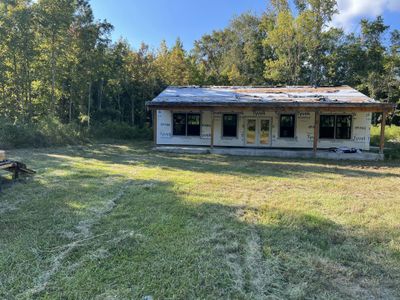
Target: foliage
x=56, y=60
x=47, y=132
x=392, y=140
x=392, y=134
x=121, y=131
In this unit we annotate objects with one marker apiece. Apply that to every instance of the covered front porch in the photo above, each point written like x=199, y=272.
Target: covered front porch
x=262, y=121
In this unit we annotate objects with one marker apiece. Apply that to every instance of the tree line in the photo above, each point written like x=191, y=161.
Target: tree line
x=58, y=61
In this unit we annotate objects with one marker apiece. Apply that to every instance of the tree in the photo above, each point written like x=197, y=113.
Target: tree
x=286, y=42
x=54, y=19
x=174, y=64
x=57, y=61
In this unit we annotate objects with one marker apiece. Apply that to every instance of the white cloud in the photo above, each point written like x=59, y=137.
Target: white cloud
x=351, y=11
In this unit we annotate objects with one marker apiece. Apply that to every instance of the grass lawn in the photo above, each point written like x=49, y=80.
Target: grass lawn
x=119, y=221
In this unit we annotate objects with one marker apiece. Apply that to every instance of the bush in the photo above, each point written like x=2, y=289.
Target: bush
x=120, y=130
x=47, y=132
x=392, y=134
x=396, y=119
x=50, y=132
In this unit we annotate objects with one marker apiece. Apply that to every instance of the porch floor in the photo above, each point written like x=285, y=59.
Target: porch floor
x=271, y=152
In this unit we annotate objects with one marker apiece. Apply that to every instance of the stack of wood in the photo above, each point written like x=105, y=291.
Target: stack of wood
x=14, y=167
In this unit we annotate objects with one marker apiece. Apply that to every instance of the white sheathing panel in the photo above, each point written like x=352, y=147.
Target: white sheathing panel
x=360, y=133
x=304, y=131
x=164, y=130
x=219, y=140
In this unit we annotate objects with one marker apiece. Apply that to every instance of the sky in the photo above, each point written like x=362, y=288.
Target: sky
x=151, y=21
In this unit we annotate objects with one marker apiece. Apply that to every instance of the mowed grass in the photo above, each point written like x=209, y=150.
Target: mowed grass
x=119, y=221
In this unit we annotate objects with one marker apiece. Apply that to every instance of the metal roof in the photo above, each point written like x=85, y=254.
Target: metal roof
x=262, y=96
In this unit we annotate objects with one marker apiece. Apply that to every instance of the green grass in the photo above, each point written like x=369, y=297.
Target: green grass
x=120, y=221
x=392, y=140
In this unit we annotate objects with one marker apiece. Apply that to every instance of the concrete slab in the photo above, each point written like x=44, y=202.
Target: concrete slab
x=183, y=149
x=350, y=156
x=281, y=153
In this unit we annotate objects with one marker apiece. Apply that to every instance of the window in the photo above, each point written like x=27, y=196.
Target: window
x=193, y=124
x=335, y=127
x=179, y=124
x=287, y=126
x=186, y=124
x=343, y=127
x=327, y=127
x=229, y=126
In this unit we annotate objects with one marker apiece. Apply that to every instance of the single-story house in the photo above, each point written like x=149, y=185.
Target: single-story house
x=300, y=117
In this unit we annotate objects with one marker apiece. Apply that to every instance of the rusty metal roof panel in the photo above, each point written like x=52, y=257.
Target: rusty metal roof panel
x=259, y=95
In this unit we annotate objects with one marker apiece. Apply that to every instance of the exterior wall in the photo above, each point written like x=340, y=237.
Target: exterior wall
x=304, y=130
x=165, y=136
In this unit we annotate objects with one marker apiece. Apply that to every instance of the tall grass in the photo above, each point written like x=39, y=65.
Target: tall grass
x=47, y=132
x=51, y=132
x=120, y=131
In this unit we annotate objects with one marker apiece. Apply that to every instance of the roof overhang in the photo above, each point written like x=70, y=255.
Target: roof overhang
x=281, y=106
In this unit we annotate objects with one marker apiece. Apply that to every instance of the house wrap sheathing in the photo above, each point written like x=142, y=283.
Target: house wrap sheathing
x=264, y=117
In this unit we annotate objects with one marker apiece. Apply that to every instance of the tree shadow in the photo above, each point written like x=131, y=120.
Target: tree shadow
x=185, y=250
x=130, y=154
x=159, y=243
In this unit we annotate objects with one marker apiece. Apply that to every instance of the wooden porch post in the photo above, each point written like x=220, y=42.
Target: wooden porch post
x=316, y=132
x=212, y=130
x=383, y=125
x=155, y=126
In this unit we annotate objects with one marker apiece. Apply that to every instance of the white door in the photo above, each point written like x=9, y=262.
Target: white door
x=258, y=132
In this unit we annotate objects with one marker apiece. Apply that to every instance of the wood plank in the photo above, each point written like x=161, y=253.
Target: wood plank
x=7, y=166
x=233, y=108
x=212, y=129
x=155, y=126
x=316, y=131
x=383, y=125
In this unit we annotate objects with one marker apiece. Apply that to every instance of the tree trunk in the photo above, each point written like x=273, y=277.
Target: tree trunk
x=70, y=105
x=89, y=103
x=101, y=93
x=17, y=81
x=29, y=104
x=133, y=111
x=53, y=74
x=119, y=107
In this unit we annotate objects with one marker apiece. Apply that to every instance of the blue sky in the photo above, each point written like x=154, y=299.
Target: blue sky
x=153, y=20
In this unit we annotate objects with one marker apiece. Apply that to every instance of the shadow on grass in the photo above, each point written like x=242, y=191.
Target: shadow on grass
x=130, y=154
x=178, y=249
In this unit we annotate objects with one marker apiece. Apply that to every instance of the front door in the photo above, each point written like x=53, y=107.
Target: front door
x=258, y=132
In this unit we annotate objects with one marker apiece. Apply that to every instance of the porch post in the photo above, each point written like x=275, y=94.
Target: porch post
x=212, y=130
x=316, y=132
x=155, y=126
x=383, y=124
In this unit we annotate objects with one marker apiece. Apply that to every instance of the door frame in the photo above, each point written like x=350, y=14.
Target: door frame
x=258, y=131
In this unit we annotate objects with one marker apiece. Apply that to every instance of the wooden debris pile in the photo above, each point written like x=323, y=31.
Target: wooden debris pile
x=15, y=167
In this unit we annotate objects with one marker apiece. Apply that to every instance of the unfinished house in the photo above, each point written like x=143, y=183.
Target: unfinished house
x=278, y=121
